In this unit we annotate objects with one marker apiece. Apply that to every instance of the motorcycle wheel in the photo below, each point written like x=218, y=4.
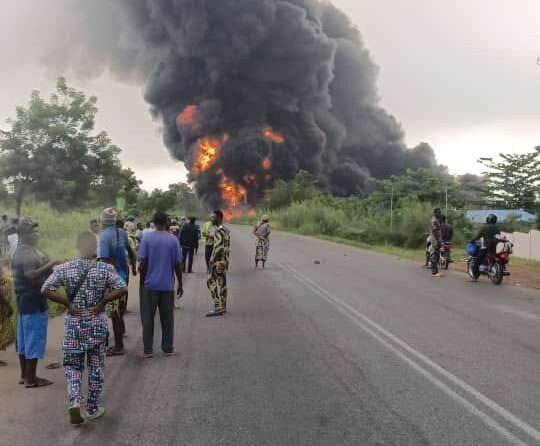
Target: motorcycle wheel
x=470, y=268
x=496, y=274
x=443, y=261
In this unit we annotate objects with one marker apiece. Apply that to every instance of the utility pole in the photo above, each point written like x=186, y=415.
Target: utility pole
x=392, y=208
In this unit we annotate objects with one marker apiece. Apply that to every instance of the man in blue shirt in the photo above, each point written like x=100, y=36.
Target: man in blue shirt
x=114, y=248
x=161, y=258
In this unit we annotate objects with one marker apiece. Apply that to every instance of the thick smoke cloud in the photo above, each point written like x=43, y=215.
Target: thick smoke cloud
x=296, y=66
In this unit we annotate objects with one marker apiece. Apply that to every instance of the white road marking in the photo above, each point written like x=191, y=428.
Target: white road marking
x=365, y=323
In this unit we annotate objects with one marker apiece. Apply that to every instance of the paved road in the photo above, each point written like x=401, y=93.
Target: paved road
x=359, y=349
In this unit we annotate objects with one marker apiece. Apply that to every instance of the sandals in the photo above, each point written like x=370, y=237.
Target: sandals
x=114, y=352
x=40, y=382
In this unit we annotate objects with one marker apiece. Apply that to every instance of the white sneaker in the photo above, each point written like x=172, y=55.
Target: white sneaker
x=97, y=414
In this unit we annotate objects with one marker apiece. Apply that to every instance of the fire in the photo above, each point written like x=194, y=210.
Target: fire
x=267, y=163
x=187, y=116
x=233, y=194
x=276, y=137
x=208, y=150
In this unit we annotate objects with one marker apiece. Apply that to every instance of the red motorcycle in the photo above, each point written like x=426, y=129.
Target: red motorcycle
x=495, y=263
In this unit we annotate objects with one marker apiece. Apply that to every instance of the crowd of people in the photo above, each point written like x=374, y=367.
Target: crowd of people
x=94, y=289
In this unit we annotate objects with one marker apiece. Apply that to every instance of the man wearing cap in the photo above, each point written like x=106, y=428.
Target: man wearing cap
x=30, y=269
x=114, y=248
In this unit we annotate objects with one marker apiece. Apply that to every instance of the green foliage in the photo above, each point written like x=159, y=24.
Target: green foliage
x=50, y=151
x=303, y=187
x=514, y=180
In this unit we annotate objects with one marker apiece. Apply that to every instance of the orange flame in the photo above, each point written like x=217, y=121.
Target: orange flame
x=187, y=116
x=208, y=150
x=267, y=163
x=276, y=137
x=233, y=194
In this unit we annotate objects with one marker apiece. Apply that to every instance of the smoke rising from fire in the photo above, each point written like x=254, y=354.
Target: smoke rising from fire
x=248, y=91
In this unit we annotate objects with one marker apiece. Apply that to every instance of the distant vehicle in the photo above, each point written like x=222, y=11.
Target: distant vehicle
x=495, y=263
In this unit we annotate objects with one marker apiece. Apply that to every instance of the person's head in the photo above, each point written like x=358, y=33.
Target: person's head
x=131, y=217
x=148, y=225
x=491, y=219
x=120, y=224
x=94, y=226
x=443, y=218
x=140, y=226
x=265, y=219
x=437, y=213
x=217, y=217
x=87, y=245
x=27, y=231
x=108, y=217
x=192, y=220
x=4, y=218
x=161, y=219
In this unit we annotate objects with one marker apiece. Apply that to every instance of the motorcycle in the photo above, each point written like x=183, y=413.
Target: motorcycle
x=444, y=255
x=495, y=264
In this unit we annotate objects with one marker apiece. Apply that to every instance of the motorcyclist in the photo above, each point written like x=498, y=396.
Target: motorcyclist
x=130, y=227
x=487, y=233
x=435, y=241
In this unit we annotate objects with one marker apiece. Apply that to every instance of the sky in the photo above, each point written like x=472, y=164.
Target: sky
x=462, y=76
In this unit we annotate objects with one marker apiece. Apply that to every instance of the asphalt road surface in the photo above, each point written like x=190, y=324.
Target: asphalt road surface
x=329, y=345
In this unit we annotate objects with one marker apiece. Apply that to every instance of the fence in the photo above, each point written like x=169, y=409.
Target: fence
x=526, y=246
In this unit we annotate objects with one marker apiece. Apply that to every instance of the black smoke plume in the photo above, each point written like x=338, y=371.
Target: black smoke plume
x=229, y=69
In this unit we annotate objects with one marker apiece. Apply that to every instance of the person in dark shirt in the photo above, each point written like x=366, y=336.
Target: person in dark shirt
x=435, y=241
x=189, y=238
x=30, y=269
x=487, y=233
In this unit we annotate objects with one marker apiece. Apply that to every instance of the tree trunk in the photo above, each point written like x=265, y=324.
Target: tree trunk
x=21, y=190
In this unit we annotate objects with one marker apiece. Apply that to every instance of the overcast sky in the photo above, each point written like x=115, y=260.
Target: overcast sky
x=462, y=76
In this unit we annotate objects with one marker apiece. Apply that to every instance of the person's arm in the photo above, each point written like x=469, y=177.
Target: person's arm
x=38, y=273
x=50, y=290
x=178, y=271
x=143, y=260
x=110, y=297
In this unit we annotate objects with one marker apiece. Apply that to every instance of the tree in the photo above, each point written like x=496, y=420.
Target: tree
x=50, y=150
x=513, y=181
x=427, y=185
x=303, y=187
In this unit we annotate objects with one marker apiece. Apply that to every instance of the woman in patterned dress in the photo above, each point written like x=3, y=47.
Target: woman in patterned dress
x=262, y=233
x=89, y=286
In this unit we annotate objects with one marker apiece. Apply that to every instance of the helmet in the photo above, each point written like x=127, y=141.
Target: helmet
x=491, y=219
x=131, y=217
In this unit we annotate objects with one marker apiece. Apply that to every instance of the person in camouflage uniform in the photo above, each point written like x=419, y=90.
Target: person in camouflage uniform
x=219, y=265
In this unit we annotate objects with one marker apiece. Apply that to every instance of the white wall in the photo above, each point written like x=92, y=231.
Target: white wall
x=526, y=246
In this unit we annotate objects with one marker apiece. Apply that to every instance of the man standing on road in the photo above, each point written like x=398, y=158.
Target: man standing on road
x=447, y=234
x=30, y=269
x=435, y=241
x=219, y=264
x=86, y=283
x=114, y=248
x=208, y=234
x=160, y=258
x=188, y=239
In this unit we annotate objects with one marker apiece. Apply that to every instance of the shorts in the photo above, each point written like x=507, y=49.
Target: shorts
x=32, y=335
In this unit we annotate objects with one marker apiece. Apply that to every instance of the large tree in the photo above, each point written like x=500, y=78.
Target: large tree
x=52, y=151
x=513, y=180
